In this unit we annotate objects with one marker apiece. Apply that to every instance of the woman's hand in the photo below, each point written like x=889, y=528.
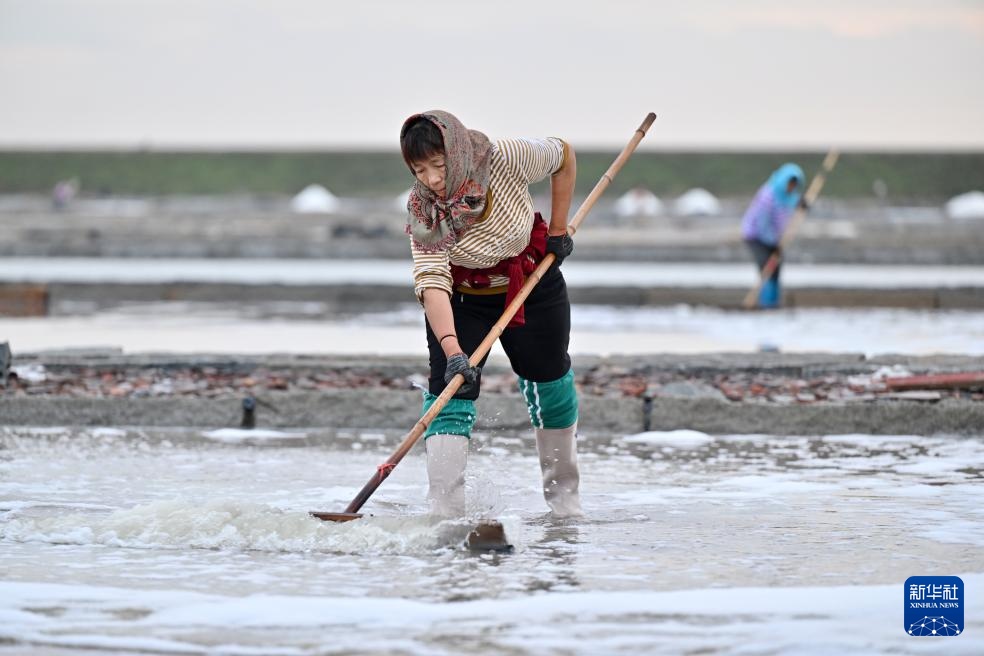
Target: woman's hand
x=459, y=364
x=561, y=246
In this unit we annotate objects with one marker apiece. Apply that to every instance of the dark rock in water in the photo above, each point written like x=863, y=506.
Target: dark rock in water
x=489, y=535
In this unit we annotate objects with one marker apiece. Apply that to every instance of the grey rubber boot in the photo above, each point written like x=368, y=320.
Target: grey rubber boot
x=446, y=458
x=558, y=462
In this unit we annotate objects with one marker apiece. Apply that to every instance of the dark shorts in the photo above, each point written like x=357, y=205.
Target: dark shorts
x=537, y=350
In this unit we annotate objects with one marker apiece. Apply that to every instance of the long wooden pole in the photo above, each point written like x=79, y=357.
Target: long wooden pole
x=810, y=196
x=479, y=353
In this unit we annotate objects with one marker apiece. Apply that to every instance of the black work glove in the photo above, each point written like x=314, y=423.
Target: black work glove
x=458, y=364
x=561, y=246
x=803, y=204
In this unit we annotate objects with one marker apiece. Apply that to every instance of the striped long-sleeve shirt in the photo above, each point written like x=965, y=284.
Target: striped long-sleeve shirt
x=504, y=230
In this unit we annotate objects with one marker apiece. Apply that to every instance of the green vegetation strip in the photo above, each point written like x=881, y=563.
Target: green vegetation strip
x=907, y=176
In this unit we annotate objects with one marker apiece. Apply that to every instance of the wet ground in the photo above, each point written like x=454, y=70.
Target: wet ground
x=647, y=272
x=314, y=328
x=183, y=541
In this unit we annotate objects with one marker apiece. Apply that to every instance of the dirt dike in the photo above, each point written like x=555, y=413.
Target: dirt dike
x=769, y=393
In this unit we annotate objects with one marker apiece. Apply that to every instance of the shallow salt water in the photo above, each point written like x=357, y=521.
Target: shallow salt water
x=187, y=541
x=314, y=328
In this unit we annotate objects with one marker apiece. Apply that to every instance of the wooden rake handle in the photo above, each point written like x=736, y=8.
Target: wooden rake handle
x=811, y=195
x=479, y=353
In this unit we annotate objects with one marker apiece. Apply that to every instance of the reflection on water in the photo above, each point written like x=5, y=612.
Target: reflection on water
x=558, y=547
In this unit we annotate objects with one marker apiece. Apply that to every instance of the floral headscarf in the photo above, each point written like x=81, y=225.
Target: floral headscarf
x=435, y=224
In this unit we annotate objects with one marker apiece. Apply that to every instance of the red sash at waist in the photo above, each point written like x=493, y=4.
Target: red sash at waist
x=515, y=268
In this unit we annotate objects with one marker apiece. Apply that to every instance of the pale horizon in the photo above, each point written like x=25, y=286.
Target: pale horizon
x=870, y=75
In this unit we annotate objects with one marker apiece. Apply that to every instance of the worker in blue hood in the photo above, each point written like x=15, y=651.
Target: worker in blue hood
x=765, y=222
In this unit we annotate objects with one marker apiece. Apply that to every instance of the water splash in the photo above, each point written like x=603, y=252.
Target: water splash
x=232, y=525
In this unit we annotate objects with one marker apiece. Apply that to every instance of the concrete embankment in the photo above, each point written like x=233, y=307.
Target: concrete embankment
x=502, y=412
x=62, y=298
x=786, y=394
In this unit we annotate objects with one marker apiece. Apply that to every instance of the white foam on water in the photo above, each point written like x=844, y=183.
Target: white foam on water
x=200, y=547
x=680, y=439
x=773, y=486
x=866, y=440
x=236, y=525
x=648, y=497
x=808, y=619
x=105, y=431
x=16, y=506
x=933, y=467
x=235, y=435
x=42, y=431
x=953, y=530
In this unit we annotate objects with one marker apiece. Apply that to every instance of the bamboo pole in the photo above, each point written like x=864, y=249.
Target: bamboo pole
x=382, y=471
x=787, y=237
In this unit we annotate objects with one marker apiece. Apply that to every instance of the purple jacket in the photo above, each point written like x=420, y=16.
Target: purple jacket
x=765, y=220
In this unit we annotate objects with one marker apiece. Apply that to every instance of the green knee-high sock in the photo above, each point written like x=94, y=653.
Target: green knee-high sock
x=455, y=418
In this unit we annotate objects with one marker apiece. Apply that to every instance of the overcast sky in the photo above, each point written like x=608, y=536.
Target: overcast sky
x=887, y=74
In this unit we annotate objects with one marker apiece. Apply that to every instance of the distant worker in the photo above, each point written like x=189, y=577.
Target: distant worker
x=765, y=222
x=64, y=193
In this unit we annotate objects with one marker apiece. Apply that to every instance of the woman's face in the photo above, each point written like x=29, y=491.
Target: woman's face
x=791, y=185
x=432, y=173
